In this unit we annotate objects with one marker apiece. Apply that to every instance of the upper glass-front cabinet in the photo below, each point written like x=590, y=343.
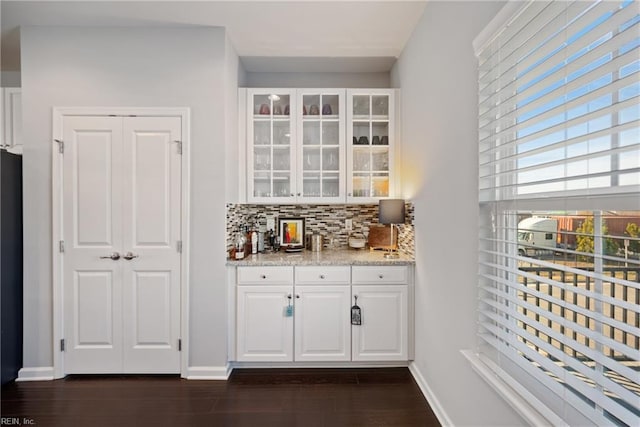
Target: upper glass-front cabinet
x=321, y=156
x=320, y=145
x=271, y=150
x=370, y=142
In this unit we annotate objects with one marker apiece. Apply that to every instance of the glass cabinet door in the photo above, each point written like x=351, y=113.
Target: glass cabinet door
x=321, y=156
x=271, y=149
x=370, y=144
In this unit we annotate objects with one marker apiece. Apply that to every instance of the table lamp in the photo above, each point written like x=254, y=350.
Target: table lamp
x=391, y=211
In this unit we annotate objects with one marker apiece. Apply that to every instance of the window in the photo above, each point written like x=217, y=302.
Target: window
x=559, y=193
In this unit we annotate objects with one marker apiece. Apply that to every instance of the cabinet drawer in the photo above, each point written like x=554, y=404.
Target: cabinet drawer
x=265, y=275
x=323, y=275
x=379, y=274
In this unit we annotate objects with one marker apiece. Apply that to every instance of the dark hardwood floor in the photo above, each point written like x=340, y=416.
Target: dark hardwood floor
x=255, y=398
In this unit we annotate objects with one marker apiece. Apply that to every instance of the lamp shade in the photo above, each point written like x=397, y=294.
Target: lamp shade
x=391, y=211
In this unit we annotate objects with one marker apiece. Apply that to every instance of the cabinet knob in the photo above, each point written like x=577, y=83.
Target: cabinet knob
x=349, y=194
x=291, y=195
x=289, y=296
x=322, y=276
x=299, y=194
x=264, y=276
x=297, y=296
x=380, y=276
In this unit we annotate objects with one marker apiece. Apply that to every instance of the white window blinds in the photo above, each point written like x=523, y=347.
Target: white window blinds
x=559, y=102
x=559, y=192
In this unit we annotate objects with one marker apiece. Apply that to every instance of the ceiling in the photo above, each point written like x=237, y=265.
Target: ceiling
x=269, y=36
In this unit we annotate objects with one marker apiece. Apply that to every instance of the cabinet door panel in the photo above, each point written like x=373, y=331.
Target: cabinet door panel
x=264, y=331
x=383, y=334
x=322, y=323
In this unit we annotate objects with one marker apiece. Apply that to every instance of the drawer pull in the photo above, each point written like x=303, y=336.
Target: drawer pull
x=322, y=276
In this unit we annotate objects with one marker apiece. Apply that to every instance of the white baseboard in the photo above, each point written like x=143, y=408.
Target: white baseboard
x=44, y=373
x=209, y=372
x=437, y=408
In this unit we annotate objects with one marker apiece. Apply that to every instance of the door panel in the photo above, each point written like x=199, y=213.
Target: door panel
x=151, y=232
x=92, y=228
x=121, y=194
x=93, y=292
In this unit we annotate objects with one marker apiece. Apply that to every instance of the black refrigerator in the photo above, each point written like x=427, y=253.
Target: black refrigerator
x=10, y=265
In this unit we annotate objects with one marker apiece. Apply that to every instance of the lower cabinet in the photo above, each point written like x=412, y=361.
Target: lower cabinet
x=322, y=323
x=279, y=319
x=383, y=334
x=264, y=331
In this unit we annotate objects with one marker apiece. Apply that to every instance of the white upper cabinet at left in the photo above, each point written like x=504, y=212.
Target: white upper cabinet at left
x=12, y=119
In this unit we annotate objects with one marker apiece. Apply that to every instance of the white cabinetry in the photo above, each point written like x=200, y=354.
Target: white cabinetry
x=271, y=147
x=321, y=159
x=371, y=144
x=322, y=320
x=383, y=299
x=318, y=326
x=264, y=331
x=12, y=119
x=319, y=145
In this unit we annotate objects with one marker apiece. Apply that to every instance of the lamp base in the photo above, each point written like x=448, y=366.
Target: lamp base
x=391, y=255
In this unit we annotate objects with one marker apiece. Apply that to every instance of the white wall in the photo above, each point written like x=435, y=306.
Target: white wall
x=437, y=74
x=129, y=67
x=318, y=80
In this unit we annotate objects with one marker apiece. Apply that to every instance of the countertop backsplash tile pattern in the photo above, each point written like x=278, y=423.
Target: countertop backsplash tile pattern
x=323, y=219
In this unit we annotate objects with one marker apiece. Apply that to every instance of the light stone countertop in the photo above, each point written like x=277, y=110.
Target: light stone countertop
x=326, y=257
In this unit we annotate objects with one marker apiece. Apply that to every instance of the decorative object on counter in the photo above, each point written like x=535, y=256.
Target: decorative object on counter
x=391, y=211
x=291, y=231
x=264, y=109
x=355, y=140
x=326, y=110
x=384, y=140
x=293, y=249
x=357, y=241
x=240, y=243
x=277, y=110
x=375, y=140
x=363, y=140
x=380, y=237
x=314, y=110
x=316, y=242
x=286, y=110
x=304, y=110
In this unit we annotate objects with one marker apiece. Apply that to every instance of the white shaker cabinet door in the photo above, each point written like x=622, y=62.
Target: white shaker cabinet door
x=383, y=335
x=264, y=327
x=322, y=323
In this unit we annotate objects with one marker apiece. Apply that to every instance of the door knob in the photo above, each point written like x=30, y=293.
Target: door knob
x=114, y=256
x=129, y=256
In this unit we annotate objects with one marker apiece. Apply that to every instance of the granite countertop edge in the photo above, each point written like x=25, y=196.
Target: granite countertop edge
x=328, y=257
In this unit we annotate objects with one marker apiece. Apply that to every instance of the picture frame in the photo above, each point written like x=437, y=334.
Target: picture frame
x=291, y=231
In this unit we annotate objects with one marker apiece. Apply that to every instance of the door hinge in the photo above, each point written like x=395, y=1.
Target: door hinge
x=179, y=143
x=62, y=344
x=61, y=246
x=179, y=344
x=60, y=145
x=179, y=246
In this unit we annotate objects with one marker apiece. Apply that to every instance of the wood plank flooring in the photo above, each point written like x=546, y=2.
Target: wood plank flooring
x=251, y=397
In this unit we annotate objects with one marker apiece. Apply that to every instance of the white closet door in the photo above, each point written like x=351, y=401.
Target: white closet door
x=92, y=229
x=121, y=187
x=151, y=231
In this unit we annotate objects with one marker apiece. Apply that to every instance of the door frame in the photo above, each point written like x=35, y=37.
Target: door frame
x=59, y=113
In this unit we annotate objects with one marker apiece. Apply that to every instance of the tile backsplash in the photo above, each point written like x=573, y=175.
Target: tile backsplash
x=323, y=219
